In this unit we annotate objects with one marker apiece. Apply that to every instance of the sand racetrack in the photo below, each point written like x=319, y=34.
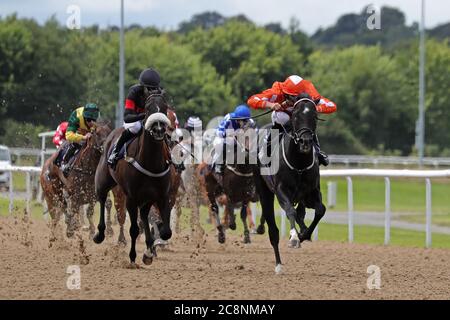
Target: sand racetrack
x=32, y=267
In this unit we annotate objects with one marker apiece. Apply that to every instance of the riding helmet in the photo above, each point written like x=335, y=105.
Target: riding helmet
x=242, y=111
x=91, y=111
x=149, y=78
x=292, y=85
x=193, y=122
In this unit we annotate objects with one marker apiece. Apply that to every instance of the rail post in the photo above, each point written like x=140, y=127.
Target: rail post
x=350, y=208
x=387, y=213
x=428, y=213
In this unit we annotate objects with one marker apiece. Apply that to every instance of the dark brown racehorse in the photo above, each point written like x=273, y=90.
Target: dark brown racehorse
x=144, y=176
x=239, y=187
x=68, y=195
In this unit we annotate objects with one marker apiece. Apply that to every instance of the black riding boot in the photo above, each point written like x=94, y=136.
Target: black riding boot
x=323, y=157
x=71, y=149
x=114, y=156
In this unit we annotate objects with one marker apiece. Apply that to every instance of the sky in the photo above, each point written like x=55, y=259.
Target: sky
x=167, y=14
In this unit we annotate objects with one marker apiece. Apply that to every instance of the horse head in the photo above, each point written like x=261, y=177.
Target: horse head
x=155, y=102
x=304, y=123
x=156, y=125
x=98, y=137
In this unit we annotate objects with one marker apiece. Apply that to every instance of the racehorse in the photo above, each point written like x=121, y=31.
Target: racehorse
x=238, y=186
x=68, y=195
x=297, y=181
x=144, y=177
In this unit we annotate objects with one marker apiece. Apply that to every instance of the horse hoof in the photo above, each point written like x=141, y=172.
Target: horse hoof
x=109, y=232
x=147, y=260
x=98, y=238
x=295, y=244
x=69, y=234
x=247, y=239
x=122, y=242
x=232, y=226
x=261, y=229
x=278, y=269
x=305, y=238
x=221, y=238
x=161, y=242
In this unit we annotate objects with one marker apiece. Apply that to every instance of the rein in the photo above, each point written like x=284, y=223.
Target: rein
x=238, y=173
x=254, y=117
x=291, y=166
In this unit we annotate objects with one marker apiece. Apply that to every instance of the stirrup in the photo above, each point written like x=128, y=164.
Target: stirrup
x=323, y=159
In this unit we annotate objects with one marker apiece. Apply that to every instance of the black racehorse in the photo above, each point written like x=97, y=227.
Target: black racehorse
x=297, y=181
x=144, y=176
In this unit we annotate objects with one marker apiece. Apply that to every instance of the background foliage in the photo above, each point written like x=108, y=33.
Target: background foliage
x=212, y=63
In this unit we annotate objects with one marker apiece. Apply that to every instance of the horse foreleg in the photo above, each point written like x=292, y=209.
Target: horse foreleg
x=100, y=236
x=147, y=258
x=90, y=217
x=230, y=209
x=109, y=229
x=286, y=205
x=261, y=228
x=244, y=222
x=134, y=229
x=319, y=212
x=72, y=218
x=215, y=211
x=119, y=204
x=300, y=218
x=267, y=199
x=196, y=228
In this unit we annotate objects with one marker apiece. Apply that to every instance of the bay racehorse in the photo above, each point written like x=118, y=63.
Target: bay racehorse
x=144, y=175
x=297, y=181
x=237, y=184
x=68, y=194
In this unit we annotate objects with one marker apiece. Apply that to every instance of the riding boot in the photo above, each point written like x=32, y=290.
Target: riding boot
x=323, y=157
x=114, y=156
x=66, y=159
x=219, y=167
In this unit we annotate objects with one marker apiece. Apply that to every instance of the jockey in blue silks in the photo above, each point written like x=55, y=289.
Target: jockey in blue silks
x=239, y=119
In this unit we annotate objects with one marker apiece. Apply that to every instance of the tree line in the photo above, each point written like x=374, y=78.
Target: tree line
x=212, y=63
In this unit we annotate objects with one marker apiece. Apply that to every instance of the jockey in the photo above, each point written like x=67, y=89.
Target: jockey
x=149, y=80
x=59, y=138
x=81, y=123
x=239, y=119
x=281, y=98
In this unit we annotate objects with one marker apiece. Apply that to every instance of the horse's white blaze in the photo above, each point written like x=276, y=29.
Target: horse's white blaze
x=306, y=111
x=156, y=117
x=278, y=269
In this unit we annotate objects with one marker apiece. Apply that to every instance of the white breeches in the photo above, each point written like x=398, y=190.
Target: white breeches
x=134, y=127
x=280, y=117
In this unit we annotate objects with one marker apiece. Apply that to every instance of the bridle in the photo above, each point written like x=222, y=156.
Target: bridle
x=296, y=137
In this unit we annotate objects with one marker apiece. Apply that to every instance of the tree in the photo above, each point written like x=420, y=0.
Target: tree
x=206, y=20
x=249, y=57
x=372, y=95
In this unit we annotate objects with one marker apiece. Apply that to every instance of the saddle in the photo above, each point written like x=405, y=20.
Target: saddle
x=123, y=150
